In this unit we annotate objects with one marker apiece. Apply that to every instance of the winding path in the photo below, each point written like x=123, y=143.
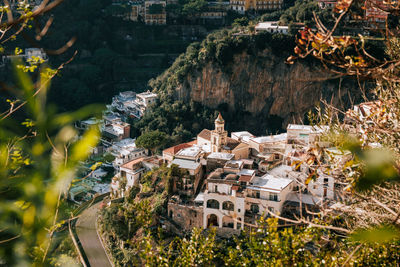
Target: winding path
x=87, y=234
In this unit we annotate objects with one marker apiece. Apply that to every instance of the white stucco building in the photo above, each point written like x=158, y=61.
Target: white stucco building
x=272, y=27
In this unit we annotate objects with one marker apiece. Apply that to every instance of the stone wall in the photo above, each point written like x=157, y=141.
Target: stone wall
x=186, y=216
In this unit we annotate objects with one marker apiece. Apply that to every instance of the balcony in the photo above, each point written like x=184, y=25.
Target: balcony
x=255, y=198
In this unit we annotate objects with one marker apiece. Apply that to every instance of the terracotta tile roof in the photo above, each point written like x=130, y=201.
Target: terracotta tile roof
x=235, y=187
x=245, y=178
x=175, y=149
x=194, y=142
x=132, y=164
x=205, y=134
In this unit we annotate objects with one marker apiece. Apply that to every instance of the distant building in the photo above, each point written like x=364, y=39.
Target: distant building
x=128, y=104
x=320, y=188
x=124, y=151
x=243, y=136
x=215, y=11
x=326, y=3
x=86, y=124
x=217, y=160
x=305, y=135
x=268, y=144
x=375, y=14
x=272, y=27
x=146, y=99
x=114, y=130
x=220, y=142
x=193, y=167
x=170, y=153
x=242, y=6
x=132, y=171
x=266, y=193
x=136, y=11
x=29, y=55
x=130, y=174
x=155, y=13
x=235, y=197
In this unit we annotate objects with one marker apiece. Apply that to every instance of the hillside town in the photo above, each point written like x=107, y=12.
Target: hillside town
x=231, y=181
x=115, y=149
x=200, y=133
x=155, y=12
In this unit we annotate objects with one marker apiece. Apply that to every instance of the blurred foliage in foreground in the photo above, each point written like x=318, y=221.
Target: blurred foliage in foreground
x=39, y=153
x=134, y=239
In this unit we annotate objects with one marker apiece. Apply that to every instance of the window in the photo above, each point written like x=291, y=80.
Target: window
x=216, y=188
x=326, y=180
x=254, y=208
x=273, y=196
x=228, y=205
x=212, y=204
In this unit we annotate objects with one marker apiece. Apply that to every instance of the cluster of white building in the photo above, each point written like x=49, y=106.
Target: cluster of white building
x=30, y=55
x=231, y=181
x=115, y=140
x=128, y=104
x=124, y=106
x=242, y=186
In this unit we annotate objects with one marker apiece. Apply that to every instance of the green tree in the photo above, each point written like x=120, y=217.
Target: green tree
x=193, y=7
x=152, y=140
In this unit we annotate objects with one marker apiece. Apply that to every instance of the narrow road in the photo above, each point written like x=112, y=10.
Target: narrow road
x=86, y=231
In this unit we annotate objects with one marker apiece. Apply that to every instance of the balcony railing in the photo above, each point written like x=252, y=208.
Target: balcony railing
x=263, y=198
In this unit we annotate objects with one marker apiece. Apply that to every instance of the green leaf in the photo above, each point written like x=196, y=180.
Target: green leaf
x=380, y=234
x=379, y=167
x=81, y=149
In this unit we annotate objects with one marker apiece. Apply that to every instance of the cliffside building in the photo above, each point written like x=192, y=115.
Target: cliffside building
x=124, y=151
x=220, y=142
x=271, y=27
x=242, y=6
x=155, y=13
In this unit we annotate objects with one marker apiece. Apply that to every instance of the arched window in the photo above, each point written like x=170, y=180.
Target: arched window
x=212, y=204
x=228, y=205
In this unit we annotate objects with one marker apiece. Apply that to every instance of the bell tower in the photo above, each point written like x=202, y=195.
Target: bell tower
x=218, y=135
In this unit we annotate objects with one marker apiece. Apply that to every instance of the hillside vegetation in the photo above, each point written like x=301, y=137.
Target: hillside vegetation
x=244, y=76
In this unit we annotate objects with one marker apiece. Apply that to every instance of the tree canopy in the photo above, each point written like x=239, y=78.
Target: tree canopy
x=152, y=140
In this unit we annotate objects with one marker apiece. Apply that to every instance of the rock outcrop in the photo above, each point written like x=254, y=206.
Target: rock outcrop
x=263, y=85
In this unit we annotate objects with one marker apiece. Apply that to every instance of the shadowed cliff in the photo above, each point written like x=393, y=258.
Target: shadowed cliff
x=245, y=76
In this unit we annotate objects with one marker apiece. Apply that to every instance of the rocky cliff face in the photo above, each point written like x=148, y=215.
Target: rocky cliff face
x=263, y=86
